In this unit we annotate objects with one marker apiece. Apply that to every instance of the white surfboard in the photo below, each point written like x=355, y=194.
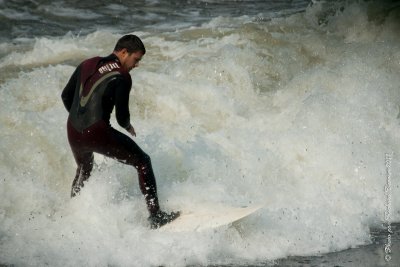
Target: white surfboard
x=203, y=219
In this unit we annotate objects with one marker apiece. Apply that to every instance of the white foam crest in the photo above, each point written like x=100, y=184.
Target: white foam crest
x=56, y=50
x=356, y=22
x=222, y=23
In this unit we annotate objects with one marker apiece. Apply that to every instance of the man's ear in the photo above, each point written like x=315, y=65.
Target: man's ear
x=124, y=51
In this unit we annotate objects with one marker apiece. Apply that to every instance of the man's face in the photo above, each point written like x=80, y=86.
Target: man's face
x=131, y=60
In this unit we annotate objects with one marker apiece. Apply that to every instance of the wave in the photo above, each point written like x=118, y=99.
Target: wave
x=297, y=112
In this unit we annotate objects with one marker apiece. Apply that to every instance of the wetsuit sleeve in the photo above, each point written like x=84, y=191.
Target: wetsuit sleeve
x=122, y=90
x=67, y=94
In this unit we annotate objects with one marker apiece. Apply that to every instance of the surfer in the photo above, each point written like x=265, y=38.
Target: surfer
x=96, y=86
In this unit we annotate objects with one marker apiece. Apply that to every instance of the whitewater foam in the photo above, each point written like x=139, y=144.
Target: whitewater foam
x=288, y=112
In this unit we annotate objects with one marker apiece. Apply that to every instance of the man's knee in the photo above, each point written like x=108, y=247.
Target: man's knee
x=144, y=162
x=86, y=164
x=146, y=158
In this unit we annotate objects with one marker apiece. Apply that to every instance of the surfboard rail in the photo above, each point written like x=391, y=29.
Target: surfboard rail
x=209, y=219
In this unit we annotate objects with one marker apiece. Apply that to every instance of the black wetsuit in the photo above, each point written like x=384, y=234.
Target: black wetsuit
x=97, y=85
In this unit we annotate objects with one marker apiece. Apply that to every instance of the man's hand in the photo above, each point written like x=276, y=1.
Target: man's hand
x=132, y=131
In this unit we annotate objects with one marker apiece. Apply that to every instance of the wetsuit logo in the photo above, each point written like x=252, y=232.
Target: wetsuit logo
x=108, y=67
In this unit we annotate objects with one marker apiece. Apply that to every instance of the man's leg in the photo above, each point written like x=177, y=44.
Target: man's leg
x=83, y=157
x=85, y=166
x=125, y=150
x=115, y=144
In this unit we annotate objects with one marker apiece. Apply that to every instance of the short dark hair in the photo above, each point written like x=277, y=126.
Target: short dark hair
x=131, y=42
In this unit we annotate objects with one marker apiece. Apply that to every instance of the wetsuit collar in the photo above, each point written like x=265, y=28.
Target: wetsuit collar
x=111, y=57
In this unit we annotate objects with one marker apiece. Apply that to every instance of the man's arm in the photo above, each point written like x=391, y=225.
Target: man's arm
x=122, y=90
x=68, y=93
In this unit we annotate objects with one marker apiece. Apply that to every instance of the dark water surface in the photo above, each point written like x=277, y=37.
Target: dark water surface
x=27, y=19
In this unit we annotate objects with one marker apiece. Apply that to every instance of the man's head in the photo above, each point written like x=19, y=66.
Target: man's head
x=129, y=50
